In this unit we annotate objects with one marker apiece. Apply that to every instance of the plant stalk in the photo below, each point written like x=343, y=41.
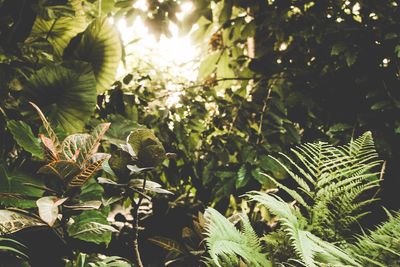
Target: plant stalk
x=136, y=252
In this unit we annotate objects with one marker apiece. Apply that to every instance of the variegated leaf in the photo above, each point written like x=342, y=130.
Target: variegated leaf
x=82, y=177
x=13, y=221
x=55, y=143
x=62, y=169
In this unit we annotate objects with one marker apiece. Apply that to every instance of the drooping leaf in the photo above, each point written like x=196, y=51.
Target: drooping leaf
x=88, y=205
x=100, y=46
x=63, y=169
x=80, y=179
x=52, y=142
x=22, y=134
x=67, y=94
x=13, y=221
x=149, y=186
x=50, y=151
x=15, y=192
x=168, y=244
x=48, y=208
x=91, y=226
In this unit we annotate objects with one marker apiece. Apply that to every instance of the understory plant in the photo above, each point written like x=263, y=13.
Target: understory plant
x=335, y=184
x=70, y=202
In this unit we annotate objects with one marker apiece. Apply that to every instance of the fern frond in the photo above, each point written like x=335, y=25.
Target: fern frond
x=331, y=181
x=380, y=247
x=311, y=250
x=227, y=245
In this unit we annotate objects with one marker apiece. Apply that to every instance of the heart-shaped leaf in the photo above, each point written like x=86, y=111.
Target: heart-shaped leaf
x=48, y=208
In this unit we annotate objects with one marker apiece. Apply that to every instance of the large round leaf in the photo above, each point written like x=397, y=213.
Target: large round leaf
x=100, y=45
x=67, y=95
x=58, y=32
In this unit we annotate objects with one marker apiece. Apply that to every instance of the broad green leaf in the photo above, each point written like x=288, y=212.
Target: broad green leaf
x=226, y=11
x=91, y=191
x=75, y=146
x=146, y=146
x=83, y=147
x=59, y=31
x=91, y=226
x=48, y=208
x=67, y=95
x=15, y=193
x=23, y=135
x=99, y=45
x=208, y=65
x=12, y=221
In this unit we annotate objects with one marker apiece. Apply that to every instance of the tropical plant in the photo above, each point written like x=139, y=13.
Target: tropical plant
x=381, y=246
x=66, y=193
x=228, y=246
x=84, y=260
x=13, y=246
x=333, y=184
x=142, y=151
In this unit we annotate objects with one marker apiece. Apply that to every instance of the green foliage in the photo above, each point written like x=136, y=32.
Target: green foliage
x=14, y=221
x=15, y=190
x=91, y=226
x=332, y=183
x=100, y=46
x=60, y=30
x=310, y=249
x=84, y=260
x=22, y=134
x=13, y=246
x=227, y=245
x=146, y=147
x=67, y=93
x=381, y=246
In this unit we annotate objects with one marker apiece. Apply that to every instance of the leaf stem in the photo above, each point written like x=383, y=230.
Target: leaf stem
x=136, y=252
